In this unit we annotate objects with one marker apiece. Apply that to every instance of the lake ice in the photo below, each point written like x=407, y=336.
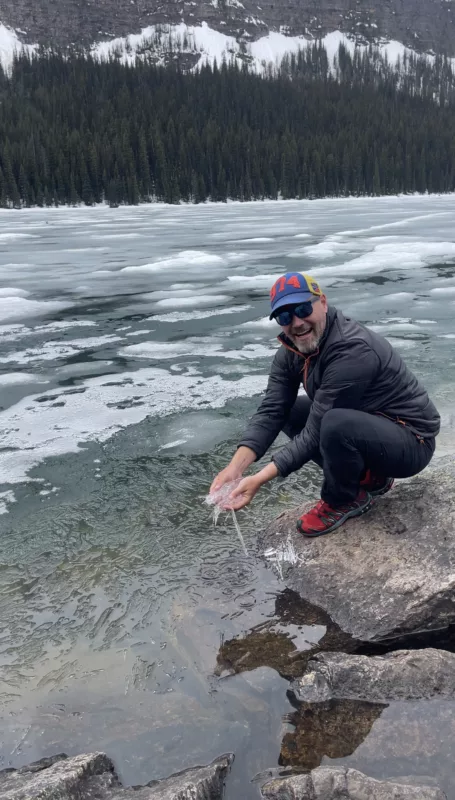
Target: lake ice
x=134, y=343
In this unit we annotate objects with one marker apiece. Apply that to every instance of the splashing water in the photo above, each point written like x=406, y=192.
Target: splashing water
x=218, y=499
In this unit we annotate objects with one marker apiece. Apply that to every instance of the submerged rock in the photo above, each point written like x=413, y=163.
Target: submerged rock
x=388, y=574
x=400, y=675
x=334, y=783
x=335, y=729
x=385, y=715
x=93, y=776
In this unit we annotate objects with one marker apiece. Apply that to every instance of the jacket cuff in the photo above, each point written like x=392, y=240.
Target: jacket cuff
x=282, y=467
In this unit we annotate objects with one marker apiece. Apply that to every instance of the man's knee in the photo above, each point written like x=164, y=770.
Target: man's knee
x=336, y=424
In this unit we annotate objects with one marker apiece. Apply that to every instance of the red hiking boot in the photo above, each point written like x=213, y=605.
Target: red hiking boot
x=324, y=519
x=376, y=485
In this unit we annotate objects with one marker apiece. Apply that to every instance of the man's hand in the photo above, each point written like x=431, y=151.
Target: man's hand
x=227, y=475
x=245, y=491
x=243, y=494
x=240, y=462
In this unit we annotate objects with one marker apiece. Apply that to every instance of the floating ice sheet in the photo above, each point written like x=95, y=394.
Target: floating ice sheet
x=31, y=431
x=193, y=301
x=16, y=308
x=194, y=347
x=188, y=259
x=184, y=316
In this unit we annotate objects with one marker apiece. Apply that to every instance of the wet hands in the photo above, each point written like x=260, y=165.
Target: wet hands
x=230, y=492
x=230, y=474
x=243, y=494
x=234, y=494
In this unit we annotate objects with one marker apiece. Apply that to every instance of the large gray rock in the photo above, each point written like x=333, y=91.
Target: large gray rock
x=93, y=777
x=339, y=783
x=58, y=778
x=402, y=675
x=389, y=573
x=200, y=783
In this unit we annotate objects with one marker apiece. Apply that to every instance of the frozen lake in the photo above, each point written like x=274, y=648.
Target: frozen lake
x=134, y=343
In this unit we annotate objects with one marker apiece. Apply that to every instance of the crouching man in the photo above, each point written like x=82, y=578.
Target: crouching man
x=365, y=418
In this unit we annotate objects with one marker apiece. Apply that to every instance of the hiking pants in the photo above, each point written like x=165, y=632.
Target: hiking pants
x=353, y=441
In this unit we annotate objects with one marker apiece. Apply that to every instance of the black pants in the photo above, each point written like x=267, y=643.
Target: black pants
x=352, y=442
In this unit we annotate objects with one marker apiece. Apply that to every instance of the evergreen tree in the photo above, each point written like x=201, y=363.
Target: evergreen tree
x=75, y=130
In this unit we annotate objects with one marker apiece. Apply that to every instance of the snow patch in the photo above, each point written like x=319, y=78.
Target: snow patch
x=31, y=432
x=184, y=316
x=190, y=302
x=14, y=378
x=6, y=498
x=396, y=256
x=212, y=45
x=14, y=307
x=185, y=259
x=10, y=45
x=8, y=291
x=441, y=291
x=194, y=347
x=54, y=350
x=265, y=322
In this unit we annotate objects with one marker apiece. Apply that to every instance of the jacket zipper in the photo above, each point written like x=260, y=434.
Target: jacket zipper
x=306, y=368
x=307, y=360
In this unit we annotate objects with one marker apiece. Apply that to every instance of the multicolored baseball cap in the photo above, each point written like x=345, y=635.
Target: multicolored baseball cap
x=291, y=289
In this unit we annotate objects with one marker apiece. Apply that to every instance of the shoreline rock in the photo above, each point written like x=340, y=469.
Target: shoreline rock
x=400, y=675
x=93, y=775
x=333, y=783
x=389, y=574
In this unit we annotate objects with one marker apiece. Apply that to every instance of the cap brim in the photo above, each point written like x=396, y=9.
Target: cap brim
x=292, y=300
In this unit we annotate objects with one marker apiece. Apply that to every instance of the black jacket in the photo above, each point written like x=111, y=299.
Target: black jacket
x=353, y=368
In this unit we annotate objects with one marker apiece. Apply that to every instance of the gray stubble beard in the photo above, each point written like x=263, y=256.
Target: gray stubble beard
x=316, y=336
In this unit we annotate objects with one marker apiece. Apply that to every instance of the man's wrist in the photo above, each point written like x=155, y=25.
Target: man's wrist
x=267, y=474
x=243, y=458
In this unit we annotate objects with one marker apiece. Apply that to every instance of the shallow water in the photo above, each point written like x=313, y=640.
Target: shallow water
x=134, y=343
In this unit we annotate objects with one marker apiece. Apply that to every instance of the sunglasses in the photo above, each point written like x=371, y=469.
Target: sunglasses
x=301, y=311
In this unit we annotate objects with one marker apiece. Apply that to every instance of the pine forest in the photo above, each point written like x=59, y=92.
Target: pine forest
x=76, y=130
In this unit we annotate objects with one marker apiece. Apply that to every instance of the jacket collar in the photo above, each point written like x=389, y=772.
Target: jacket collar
x=331, y=315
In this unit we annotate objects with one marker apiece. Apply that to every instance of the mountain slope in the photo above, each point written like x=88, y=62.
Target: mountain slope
x=423, y=25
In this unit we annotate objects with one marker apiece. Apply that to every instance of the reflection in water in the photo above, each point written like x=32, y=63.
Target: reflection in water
x=287, y=642
x=335, y=729
x=408, y=738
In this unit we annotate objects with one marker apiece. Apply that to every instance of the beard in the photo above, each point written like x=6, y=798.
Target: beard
x=310, y=343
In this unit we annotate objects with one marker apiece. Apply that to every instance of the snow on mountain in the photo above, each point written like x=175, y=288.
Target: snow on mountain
x=206, y=45
x=11, y=44
x=210, y=45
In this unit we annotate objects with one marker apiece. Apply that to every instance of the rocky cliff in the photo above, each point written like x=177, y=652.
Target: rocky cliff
x=423, y=25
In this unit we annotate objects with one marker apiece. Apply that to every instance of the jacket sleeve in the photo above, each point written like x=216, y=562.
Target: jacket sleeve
x=280, y=396
x=349, y=371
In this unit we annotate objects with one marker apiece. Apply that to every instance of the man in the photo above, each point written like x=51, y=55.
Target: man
x=365, y=418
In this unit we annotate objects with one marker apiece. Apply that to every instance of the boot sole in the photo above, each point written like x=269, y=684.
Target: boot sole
x=384, y=490
x=358, y=512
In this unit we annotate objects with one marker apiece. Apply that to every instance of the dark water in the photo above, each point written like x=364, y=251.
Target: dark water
x=133, y=346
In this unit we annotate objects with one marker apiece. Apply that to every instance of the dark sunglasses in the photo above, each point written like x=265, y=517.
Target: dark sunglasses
x=301, y=311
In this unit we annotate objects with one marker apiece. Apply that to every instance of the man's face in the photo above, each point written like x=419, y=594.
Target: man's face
x=305, y=334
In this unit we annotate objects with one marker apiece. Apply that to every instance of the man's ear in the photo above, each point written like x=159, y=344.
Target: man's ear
x=324, y=302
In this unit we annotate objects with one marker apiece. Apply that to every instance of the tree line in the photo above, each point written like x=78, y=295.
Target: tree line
x=74, y=129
